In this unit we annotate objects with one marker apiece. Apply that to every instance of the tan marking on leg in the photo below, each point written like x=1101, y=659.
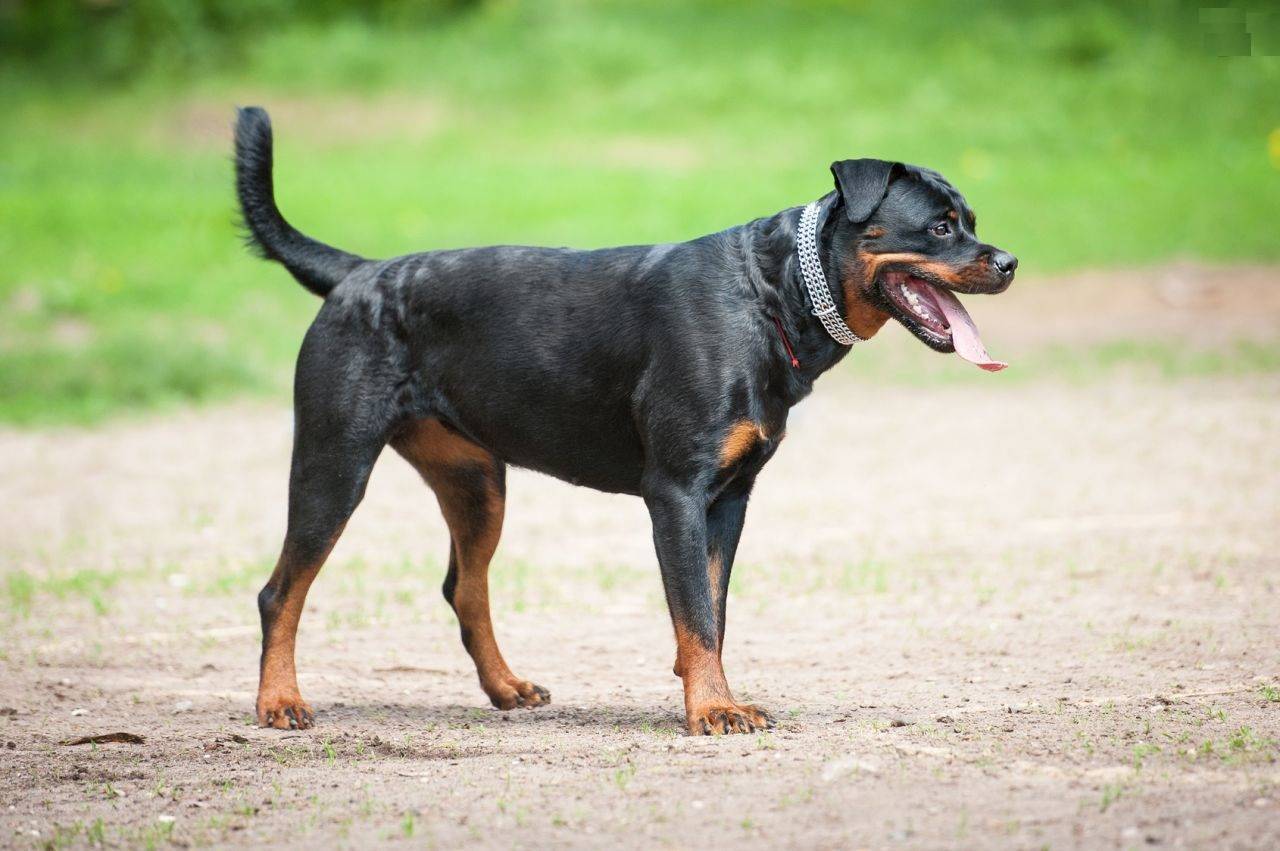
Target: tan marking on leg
x=278, y=694
x=715, y=574
x=429, y=443
x=708, y=704
x=438, y=453
x=741, y=439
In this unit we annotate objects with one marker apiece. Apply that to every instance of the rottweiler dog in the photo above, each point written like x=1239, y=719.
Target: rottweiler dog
x=663, y=371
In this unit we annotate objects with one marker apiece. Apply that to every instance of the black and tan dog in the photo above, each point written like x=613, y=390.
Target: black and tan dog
x=665, y=371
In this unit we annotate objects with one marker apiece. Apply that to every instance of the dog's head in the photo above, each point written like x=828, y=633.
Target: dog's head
x=909, y=242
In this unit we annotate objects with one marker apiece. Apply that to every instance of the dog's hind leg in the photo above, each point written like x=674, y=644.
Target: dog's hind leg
x=338, y=435
x=470, y=485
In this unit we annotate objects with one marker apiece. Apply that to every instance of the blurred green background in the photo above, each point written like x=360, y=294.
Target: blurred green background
x=1084, y=135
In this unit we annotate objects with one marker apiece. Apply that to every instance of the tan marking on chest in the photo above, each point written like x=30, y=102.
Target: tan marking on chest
x=744, y=435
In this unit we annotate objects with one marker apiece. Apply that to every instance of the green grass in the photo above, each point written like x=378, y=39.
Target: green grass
x=1085, y=135
x=87, y=585
x=902, y=361
x=20, y=590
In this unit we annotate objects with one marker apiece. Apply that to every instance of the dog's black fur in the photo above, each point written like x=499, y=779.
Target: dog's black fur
x=656, y=370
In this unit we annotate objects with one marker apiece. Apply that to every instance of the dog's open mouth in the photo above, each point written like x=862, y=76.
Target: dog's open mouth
x=937, y=317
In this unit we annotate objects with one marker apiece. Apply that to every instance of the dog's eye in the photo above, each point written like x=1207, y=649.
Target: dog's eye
x=941, y=229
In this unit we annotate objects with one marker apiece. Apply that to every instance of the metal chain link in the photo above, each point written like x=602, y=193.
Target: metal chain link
x=815, y=280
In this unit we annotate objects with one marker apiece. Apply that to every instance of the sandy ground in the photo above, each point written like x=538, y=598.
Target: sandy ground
x=994, y=614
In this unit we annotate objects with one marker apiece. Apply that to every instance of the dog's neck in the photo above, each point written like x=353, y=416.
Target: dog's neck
x=777, y=276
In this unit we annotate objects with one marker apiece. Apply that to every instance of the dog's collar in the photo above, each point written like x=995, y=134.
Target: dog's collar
x=815, y=280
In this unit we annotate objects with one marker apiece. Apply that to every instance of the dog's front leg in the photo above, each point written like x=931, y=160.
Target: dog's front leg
x=679, y=515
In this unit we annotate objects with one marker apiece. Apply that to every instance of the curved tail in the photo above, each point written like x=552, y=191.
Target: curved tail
x=317, y=266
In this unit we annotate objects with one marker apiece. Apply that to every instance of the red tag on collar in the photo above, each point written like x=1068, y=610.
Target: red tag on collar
x=785, y=342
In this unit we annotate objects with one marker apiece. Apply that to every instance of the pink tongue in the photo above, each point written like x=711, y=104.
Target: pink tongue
x=964, y=334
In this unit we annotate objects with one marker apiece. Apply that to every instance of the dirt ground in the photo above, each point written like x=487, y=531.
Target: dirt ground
x=986, y=614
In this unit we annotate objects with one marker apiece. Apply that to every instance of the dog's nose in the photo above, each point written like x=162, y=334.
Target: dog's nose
x=1004, y=262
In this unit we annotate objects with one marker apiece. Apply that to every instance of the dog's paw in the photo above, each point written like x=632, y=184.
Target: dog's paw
x=285, y=711
x=519, y=694
x=719, y=719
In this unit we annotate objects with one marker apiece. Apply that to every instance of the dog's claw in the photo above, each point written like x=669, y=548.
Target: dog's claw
x=734, y=718
x=522, y=695
x=285, y=713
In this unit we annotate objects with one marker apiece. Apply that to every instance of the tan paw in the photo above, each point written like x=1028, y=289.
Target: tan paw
x=284, y=711
x=519, y=693
x=722, y=718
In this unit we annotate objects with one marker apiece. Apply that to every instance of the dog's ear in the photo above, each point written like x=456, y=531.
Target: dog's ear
x=862, y=185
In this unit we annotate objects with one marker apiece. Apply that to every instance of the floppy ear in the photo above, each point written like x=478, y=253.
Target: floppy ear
x=862, y=184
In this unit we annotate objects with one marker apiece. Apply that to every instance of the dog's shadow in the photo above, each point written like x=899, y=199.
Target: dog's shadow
x=359, y=717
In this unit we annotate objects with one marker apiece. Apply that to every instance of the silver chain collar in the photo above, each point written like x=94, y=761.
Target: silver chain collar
x=815, y=280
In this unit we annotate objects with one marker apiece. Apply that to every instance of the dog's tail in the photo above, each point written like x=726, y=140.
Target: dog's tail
x=317, y=266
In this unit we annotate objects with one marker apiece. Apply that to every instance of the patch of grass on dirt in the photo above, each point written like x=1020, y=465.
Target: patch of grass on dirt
x=22, y=589
x=235, y=579
x=1246, y=744
x=624, y=774
x=152, y=836
x=64, y=835
x=867, y=575
x=1111, y=793
x=1141, y=752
